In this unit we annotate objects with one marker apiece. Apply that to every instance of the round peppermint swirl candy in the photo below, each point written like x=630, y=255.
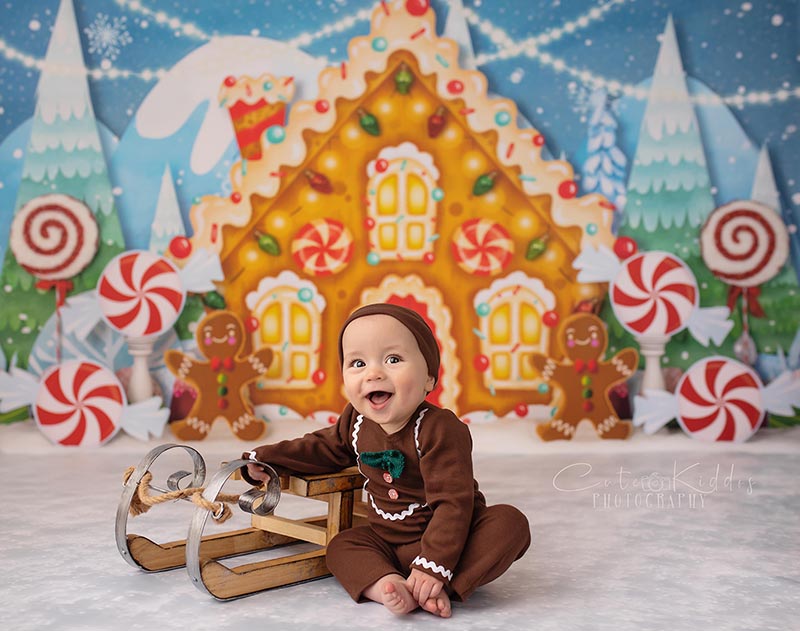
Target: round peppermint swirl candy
x=719, y=399
x=744, y=243
x=140, y=294
x=79, y=403
x=54, y=237
x=654, y=294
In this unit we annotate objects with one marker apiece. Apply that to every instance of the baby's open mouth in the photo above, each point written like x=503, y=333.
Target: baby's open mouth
x=379, y=397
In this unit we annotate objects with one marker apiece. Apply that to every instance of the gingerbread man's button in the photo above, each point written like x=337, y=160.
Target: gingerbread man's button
x=393, y=494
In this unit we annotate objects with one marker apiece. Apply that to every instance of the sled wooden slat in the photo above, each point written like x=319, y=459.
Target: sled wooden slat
x=225, y=583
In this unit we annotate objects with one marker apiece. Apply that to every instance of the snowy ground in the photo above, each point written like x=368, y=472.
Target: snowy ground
x=654, y=533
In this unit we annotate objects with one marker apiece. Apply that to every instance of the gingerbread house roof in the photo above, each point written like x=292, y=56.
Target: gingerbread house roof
x=401, y=26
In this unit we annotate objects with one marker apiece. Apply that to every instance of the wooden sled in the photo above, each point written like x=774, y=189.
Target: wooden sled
x=201, y=554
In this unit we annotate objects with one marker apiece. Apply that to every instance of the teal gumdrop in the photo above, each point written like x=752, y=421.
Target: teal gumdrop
x=276, y=134
x=543, y=388
x=502, y=118
x=437, y=194
x=305, y=294
x=267, y=85
x=591, y=228
x=483, y=309
x=379, y=44
x=283, y=410
x=373, y=258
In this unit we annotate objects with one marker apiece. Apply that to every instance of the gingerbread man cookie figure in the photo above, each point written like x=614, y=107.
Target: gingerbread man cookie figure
x=220, y=380
x=586, y=379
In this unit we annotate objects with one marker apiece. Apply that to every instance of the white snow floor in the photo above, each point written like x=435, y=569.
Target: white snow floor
x=657, y=532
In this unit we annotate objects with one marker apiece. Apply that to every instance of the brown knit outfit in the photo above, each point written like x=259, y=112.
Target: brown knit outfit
x=439, y=522
x=431, y=517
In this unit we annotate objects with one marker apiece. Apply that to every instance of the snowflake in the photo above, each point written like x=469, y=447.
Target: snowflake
x=107, y=36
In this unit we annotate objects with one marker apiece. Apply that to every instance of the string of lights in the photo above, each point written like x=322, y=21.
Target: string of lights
x=507, y=48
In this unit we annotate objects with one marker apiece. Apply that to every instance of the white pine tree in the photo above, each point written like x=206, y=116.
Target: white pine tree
x=669, y=184
x=765, y=190
x=603, y=171
x=64, y=155
x=456, y=28
x=167, y=223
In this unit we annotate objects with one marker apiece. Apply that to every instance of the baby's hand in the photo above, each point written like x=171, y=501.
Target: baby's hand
x=257, y=472
x=423, y=586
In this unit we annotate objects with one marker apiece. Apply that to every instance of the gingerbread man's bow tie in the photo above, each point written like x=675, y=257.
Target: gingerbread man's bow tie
x=588, y=366
x=217, y=363
x=390, y=460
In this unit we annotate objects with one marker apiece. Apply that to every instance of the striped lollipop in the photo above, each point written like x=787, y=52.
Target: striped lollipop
x=140, y=294
x=654, y=294
x=482, y=247
x=79, y=403
x=54, y=237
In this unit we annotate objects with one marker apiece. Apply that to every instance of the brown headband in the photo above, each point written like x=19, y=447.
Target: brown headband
x=426, y=341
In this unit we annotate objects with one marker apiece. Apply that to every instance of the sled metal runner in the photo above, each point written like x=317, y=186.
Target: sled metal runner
x=201, y=554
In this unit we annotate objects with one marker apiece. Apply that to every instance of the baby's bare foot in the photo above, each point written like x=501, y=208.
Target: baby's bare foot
x=439, y=606
x=397, y=599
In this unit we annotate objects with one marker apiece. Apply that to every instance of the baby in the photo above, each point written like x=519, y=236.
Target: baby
x=431, y=537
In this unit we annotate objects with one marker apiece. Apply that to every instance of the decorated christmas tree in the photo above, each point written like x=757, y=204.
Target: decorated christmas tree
x=669, y=194
x=64, y=155
x=603, y=170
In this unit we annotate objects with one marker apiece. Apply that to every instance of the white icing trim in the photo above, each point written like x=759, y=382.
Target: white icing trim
x=416, y=431
x=430, y=565
x=394, y=516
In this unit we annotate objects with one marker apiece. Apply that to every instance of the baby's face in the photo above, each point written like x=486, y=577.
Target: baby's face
x=385, y=374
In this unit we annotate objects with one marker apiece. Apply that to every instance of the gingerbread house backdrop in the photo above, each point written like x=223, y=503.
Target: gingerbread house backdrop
x=402, y=181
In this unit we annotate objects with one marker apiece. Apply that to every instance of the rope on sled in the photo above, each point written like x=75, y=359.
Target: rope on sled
x=143, y=501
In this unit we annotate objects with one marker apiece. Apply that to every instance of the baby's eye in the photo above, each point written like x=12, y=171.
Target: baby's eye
x=357, y=363
x=393, y=359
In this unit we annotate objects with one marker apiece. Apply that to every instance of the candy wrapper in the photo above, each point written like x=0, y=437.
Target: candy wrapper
x=718, y=399
x=81, y=403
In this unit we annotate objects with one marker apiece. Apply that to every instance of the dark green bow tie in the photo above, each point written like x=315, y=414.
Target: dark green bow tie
x=390, y=460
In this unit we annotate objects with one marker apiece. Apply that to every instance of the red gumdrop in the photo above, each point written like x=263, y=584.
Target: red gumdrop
x=236, y=197
x=381, y=165
x=251, y=324
x=550, y=318
x=318, y=377
x=481, y=363
x=625, y=247
x=230, y=81
x=417, y=7
x=567, y=189
x=428, y=258
x=180, y=247
x=332, y=420
x=455, y=87
x=322, y=106
x=369, y=223
x=521, y=410
x=538, y=140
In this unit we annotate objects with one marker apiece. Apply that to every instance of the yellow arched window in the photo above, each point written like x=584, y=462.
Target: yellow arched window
x=290, y=324
x=403, y=195
x=512, y=329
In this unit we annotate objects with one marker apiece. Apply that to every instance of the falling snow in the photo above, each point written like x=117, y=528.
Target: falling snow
x=107, y=36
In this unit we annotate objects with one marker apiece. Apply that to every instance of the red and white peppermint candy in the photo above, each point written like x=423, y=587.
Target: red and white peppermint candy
x=322, y=247
x=719, y=399
x=482, y=247
x=744, y=243
x=140, y=294
x=654, y=294
x=79, y=403
x=54, y=237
